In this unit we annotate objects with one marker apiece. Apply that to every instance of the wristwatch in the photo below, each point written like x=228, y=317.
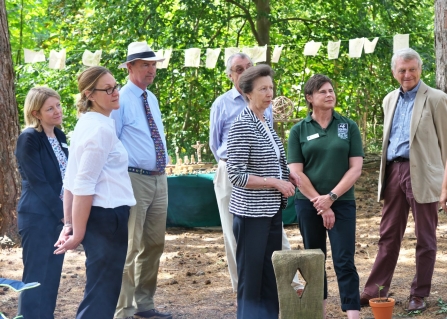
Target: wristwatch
x=333, y=196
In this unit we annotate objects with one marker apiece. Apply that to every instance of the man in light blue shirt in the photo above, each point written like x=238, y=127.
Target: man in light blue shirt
x=139, y=127
x=224, y=111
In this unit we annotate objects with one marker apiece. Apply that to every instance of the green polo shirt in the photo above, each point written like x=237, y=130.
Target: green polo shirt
x=325, y=153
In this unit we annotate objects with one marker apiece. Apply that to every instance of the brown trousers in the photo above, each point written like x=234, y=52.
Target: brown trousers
x=398, y=198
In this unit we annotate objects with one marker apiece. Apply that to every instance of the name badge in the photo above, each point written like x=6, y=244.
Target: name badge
x=313, y=136
x=64, y=145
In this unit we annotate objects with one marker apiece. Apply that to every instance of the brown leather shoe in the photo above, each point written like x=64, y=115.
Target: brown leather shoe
x=364, y=299
x=416, y=303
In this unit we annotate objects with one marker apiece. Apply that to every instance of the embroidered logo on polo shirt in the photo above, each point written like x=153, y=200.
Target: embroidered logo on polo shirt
x=343, y=131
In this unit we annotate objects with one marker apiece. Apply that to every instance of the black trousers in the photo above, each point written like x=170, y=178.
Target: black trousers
x=257, y=239
x=39, y=234
x=105, y=246
x=342, y=238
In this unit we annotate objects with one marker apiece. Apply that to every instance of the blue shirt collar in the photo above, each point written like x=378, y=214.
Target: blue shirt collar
x=412, y=92
x=235, y=93
x=135, y=89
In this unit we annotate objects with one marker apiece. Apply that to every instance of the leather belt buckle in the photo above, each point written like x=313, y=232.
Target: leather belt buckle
x=144, y=171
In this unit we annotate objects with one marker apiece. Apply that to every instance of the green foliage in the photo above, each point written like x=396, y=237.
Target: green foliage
x=186, y=94
x=442, y=305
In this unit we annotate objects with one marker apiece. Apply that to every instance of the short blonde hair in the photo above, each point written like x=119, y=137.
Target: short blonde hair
x=86, y=82
x=34, y=101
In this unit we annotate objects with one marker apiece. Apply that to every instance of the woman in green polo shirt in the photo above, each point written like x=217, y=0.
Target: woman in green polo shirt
x=325, y=150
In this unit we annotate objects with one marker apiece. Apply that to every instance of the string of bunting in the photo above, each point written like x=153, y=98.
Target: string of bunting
x=257, y=53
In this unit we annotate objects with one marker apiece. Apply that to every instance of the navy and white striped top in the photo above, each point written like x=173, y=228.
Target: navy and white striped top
x=251, y=152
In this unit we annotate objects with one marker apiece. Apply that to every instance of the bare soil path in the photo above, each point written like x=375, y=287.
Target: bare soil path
x=194, y=281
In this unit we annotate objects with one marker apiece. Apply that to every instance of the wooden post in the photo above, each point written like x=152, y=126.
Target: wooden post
x=310, y=263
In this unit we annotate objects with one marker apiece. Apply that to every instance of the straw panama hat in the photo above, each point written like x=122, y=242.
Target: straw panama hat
x=139, y=51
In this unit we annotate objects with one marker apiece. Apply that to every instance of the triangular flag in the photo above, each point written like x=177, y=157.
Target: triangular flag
x=90, y=58
x=311, y=48
x=33, y=56
x=333, y=50
x=192, y=57
x=401, y=41
x=370, y=46
x=211, y=57
x=356, y=47
x=277, y=53
x=229, y=52
x=256, y=54
x=57, y=59
x=159, y=54
x=167, y=56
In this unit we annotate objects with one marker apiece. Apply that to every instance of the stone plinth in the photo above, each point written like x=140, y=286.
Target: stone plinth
x=310, y=263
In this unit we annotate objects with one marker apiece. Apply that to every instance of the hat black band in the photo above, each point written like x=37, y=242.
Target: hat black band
x=142, y=55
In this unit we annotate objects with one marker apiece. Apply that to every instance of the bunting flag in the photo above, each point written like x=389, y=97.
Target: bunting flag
x=277, y=53
x=90, y=58
x=311, y=48
x=167, y=56
x=33, y=56
x=211, y=57
x=57, y=59
x=256, y=54
x=356, y=47
x=370, y=46
x=401, y=41
x=229, y=52
x=192, y=57
x=333, y=50
x=159, y=54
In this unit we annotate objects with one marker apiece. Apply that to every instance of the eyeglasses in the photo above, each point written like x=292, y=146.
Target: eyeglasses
x=240, y=69
x=109, y=91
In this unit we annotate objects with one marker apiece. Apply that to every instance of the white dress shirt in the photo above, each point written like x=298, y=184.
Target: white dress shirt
x=98, y=163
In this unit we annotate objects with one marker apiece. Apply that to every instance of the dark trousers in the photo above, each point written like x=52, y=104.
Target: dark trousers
x=39, y=234
x=105, y=245
x=398, y=198
x=257, y=239
x=342, y=238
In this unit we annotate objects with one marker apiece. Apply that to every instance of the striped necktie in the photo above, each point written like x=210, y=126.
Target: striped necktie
x=159, y=147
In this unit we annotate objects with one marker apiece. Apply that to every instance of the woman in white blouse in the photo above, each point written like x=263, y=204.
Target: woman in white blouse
x=98, y=194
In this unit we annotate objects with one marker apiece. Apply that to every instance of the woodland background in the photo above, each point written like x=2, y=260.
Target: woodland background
x=186, y=94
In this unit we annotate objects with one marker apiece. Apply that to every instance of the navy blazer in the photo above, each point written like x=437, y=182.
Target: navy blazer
x=41, y=175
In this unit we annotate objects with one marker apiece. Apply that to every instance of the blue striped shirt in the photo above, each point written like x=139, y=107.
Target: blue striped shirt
x=399, y=143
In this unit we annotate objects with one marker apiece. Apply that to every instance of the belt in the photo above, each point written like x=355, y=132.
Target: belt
x=224, y=159
x=144, y=171
x=399, y=159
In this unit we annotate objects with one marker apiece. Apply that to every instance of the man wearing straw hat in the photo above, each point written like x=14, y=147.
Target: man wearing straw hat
x=139, y=127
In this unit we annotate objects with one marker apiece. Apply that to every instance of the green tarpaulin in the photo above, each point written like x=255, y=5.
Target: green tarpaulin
x=192, y=202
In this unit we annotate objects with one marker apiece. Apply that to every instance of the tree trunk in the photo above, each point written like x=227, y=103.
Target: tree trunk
x=441, y=44
x=263, y=24
x=9, y=130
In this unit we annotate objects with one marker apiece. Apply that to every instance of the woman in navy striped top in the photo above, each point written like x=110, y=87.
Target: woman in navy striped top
x=258, y=170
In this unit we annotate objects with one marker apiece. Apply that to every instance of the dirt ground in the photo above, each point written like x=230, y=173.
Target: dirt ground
x=194, y=280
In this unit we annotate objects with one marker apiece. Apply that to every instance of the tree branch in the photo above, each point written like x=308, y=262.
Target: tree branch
x=249, y=19
x=302, y=20
x=222, y=26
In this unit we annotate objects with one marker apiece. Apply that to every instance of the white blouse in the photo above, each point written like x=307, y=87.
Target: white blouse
x=98, y=163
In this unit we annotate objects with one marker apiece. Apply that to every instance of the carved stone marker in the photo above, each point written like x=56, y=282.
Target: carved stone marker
x=310, y=263
x=198, y=147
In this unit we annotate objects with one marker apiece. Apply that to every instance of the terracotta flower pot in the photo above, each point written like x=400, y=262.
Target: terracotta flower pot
x=382, y=309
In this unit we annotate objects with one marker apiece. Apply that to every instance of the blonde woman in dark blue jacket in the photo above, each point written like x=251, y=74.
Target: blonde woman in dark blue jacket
x=42, y=154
